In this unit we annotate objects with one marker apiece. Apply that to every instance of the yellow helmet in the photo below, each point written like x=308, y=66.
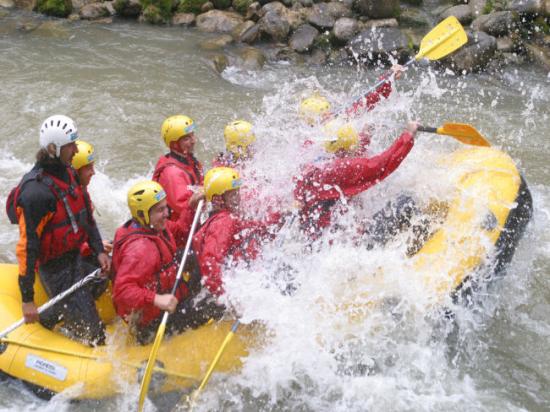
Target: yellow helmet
x=220, y=180
x=238, y=136
x=142, y=197
x=340, y=137
x=313, y=108
x=176, y=127
x=85, y=154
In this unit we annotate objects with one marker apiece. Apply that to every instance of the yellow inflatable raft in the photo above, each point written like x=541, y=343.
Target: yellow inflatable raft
x=486, y=217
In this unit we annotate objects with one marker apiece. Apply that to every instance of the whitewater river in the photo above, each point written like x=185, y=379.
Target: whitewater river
x=120, y=81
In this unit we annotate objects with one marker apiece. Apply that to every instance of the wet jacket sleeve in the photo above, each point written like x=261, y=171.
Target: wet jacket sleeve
x=368, y=102
x=35, y=208
x=216, y=244
x=94, y=237
x=176, y=184
x=139, y=261
x=353, y=176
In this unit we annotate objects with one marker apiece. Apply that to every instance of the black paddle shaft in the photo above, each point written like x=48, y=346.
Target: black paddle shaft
x=427, y=129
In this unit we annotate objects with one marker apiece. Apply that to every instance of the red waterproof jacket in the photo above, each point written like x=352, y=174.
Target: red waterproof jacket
x=226, y=235
x=368, y=102
x=145, y=263
x=321, y=185
x=176, y=174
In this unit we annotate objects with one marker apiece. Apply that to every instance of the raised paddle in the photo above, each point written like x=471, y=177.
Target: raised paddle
x=52, y=301
x=443, y=39
x=162, y=327
x=462, y=132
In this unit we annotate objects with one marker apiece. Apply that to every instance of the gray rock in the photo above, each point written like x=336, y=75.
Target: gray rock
x=104, y=20
x=274, y=6
x=381, y=23
x=25, y=4
x=338, y=9
x=303, y=38
x=220, y=21
x=295, y=18
x=7, y=4
x=252, y=58
x=473, y=56
x=306, y=3
x=183, y=19
x=78, y=4
x=526, y=6
x=317, y=58
x=513, y=58
x=320, y=17
x=251, y=35
x=376, y=43
x=219, y=62
x=505, y=44
x=462, y=12
x=414, y=35
x=206, y=7
x=274, y=26
x=345, y=28
x=253, y=11
x=377, y=9
x=242, y=28
x=437, y=11
x=497, y=24
x=539, y=54
x=477, y=7
x=414, y=17
x=217, y=43
x=94, y=11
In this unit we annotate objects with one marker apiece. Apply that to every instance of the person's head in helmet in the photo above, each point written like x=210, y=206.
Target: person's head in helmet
x=221, y=188
x=314, y=109
x=341, y=138
x=58, y=136
x=239, y=139
x=148, y=205
x=178, y=133
x=83, y=162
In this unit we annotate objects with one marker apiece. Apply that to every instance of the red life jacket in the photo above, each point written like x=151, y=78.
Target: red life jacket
x=162, y=281
x=192, y=170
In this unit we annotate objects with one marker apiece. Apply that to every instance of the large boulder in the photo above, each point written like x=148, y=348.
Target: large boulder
x=526, y=6
x=303, y=38
x=345, y=28
x=473, y=56
x=539, y=54
x=324, y=15
x=95, y=11
x=377, y=23
x=415, y=17
x=7, y=4
x=274, y=6
x=217, y=43
x=218, y=21
x=379, y=43
x=496, y=24
x=463, y=12
x=478, y=7
x=252, y=59
x=274, y=25
x=25, y=4
x=249, y=34
x=377, y=9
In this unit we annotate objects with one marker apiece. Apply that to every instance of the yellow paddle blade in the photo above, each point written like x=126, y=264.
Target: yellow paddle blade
x=443, y=39
x=464, y=133
x=151, y=363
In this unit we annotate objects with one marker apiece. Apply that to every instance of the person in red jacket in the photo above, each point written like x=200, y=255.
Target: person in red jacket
x=55, y=219
x=323, y=184
x=146, y=260
x=225, y=234
x=178, y=171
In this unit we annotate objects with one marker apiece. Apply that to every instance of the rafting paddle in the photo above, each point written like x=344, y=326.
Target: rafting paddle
x=162, y=327
x=443, y=39
x=53, y=301
x=462, y=132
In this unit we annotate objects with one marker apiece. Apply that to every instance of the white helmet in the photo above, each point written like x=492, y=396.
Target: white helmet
x=59, y=130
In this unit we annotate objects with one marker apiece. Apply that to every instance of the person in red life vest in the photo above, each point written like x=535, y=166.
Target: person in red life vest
x=239, y=144
x=146, y=257
x=178, y=171
x=316, y=109
x=55, y=219
x=83, y=162
x=225, y=233
x=324, y=183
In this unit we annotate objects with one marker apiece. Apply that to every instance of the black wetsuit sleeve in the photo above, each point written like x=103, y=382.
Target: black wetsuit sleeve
x=37, y=205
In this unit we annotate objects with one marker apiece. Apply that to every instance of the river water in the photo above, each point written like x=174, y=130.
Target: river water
x=120, y=81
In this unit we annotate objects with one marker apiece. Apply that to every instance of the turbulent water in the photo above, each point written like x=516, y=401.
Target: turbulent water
x=119, y=82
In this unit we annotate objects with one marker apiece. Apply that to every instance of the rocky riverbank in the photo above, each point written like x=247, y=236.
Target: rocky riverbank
x=251, y=32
